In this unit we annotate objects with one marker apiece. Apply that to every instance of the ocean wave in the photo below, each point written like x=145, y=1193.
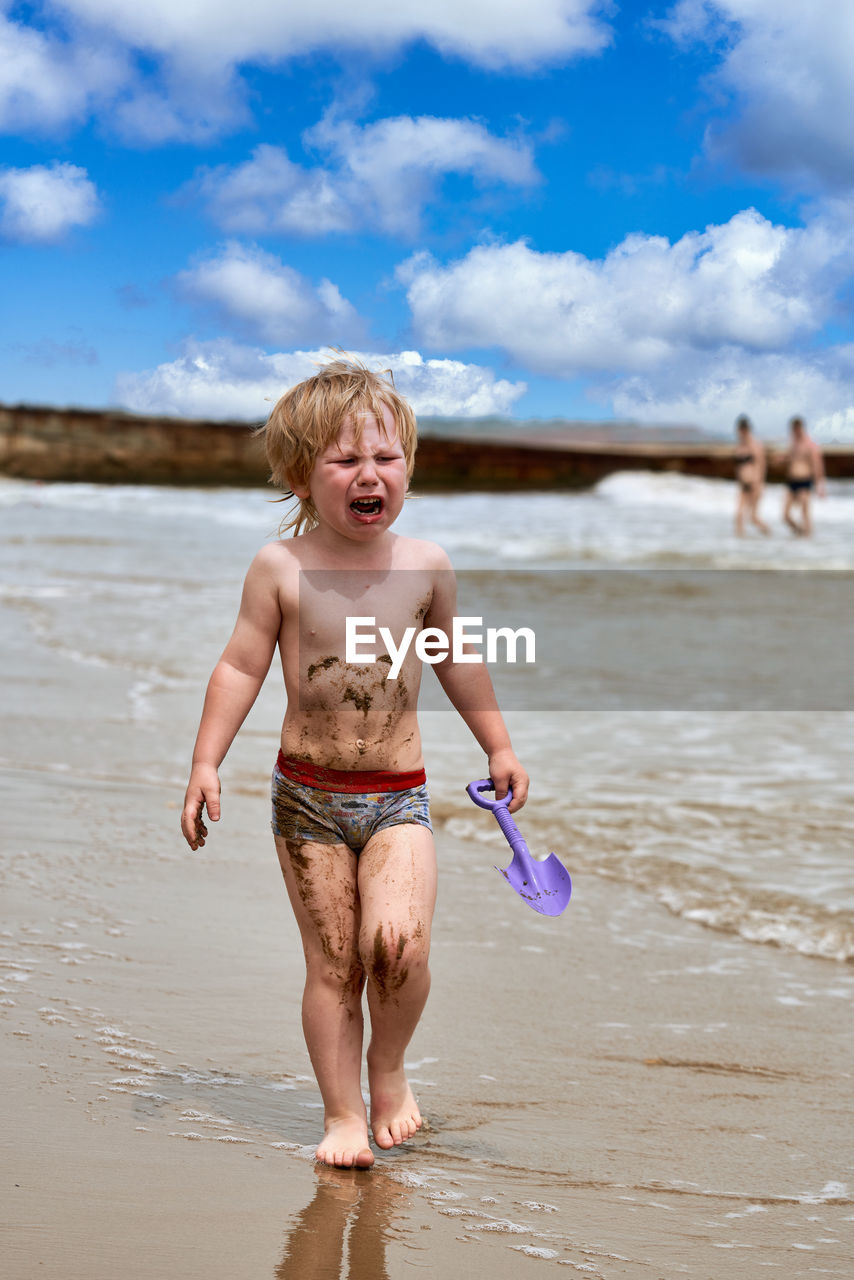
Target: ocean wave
x=793, y=926
x=630, y=519
x=680, y=877
x=716, y=898
x=246, y=508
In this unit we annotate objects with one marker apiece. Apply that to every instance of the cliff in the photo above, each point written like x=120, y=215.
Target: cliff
x=113, y=447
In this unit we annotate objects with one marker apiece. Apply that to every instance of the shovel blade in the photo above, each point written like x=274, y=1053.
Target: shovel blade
x=545, y=886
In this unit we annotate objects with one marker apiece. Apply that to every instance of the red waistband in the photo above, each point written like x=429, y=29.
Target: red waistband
x=349, y=780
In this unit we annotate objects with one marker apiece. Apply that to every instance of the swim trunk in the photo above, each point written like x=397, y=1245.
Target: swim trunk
x=796, y=486
x=339, y=806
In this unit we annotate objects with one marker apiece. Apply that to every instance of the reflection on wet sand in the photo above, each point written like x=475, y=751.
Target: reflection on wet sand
x=342, y=1234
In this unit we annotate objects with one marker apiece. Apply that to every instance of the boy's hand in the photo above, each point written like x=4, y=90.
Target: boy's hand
x=202, y=793
x=507, y=774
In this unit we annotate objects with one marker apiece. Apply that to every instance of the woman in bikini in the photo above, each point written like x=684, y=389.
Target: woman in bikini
x=749, y=459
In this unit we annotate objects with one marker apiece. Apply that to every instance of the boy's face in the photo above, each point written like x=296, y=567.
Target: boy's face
x=358, y=484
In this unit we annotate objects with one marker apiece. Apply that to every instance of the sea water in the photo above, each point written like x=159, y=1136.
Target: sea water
x=691, y=688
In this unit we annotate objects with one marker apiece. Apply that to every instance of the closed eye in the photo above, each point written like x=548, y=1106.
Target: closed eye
x=380, y=457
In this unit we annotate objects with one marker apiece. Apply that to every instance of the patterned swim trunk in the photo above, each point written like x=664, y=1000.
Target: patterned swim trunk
x=335, y=806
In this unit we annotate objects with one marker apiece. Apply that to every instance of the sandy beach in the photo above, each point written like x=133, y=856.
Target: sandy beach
x=622, y=1111
x=620, y=1091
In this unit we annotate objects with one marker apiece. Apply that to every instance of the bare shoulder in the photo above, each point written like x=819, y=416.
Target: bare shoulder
x=275, y=570
x=418, y=553
x=273, y=560
x=276, y=556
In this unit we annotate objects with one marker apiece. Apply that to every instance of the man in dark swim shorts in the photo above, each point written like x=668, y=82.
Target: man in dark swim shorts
x=804, y=472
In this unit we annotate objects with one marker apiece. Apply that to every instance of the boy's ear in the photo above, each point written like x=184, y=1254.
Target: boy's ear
x=300, y=491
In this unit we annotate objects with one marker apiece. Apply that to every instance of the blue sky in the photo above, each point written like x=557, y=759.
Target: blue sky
x=560, y=208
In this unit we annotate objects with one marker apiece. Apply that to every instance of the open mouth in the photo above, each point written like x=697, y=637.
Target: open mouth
x=367, y=506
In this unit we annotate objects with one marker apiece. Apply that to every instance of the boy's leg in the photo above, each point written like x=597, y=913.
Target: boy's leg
x=397, y=891
x=321, y=884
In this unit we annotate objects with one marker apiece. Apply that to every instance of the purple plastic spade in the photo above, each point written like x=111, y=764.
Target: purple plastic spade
x=545, y=885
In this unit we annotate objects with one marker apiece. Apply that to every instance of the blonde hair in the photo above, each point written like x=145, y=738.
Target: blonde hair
x=309, y=417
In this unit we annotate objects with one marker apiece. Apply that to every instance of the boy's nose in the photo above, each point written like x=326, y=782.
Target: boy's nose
x=367, y=471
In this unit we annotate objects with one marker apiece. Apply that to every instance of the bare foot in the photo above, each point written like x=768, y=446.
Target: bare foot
x=345, y=1144
x=394, y=1111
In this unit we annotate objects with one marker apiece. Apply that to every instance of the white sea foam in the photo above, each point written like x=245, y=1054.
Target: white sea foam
x=631, y=519
x=831, y=1193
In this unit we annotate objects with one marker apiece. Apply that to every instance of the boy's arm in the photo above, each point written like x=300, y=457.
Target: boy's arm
x=469, y=688
x=232, y=689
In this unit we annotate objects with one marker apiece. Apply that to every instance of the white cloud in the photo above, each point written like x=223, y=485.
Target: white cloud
x=179, y=102
x=449, y=388
x=41, y=204
x=52, y=79
x=268, y=193
x=395, y=161
x=378, y=176
x=225, y=380
x=47, y=82
x=713, y=388
x=216, y=380
x=788, y=65
x=720, y=322
x=492, y=33
x=746, y=282
x=170, y=69
x=261, y=296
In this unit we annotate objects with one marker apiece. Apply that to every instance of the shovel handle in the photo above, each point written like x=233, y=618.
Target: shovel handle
x=511, y=832
x=476, y=790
